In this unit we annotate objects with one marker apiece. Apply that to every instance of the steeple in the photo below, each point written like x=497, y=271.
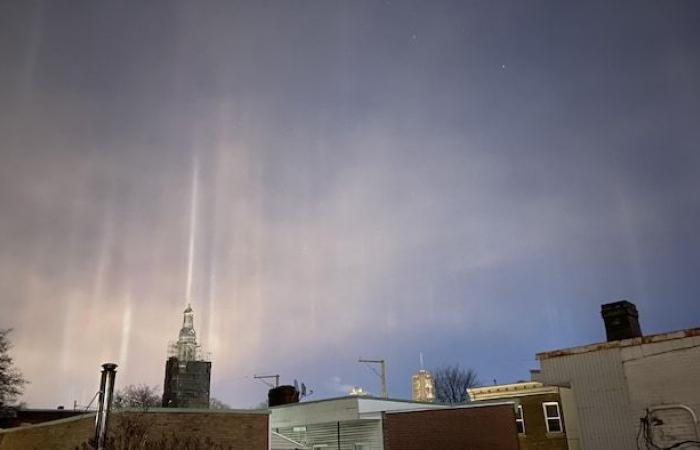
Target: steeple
x=187, y=370
x=187, y=341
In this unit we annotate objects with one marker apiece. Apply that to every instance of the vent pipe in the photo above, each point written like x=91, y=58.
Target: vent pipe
x=109, y=371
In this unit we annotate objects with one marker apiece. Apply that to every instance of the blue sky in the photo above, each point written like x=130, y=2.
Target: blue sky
x=470, y=180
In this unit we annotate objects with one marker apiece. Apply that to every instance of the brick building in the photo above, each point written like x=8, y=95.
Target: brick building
x=237, y=430
x=545, y=416
x=472, y=427
x=370, y=423
x=343, y=423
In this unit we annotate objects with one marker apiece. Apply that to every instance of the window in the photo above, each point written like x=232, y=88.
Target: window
x=520, y=419
x=361, y=447
x=552, y=417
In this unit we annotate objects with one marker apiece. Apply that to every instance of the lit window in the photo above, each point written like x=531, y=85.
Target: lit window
x=552, y=417
x=520, y=419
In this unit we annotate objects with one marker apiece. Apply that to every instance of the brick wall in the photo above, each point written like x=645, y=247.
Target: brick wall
x=475, y=428
x=56, y=435
x=235, y=430
x=536, y=436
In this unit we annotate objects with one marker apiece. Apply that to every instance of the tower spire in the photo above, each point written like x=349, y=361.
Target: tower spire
x=187, y=340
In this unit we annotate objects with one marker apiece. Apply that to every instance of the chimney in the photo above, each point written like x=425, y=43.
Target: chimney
x=104, y=406
x=621, y=320
x=282, y=395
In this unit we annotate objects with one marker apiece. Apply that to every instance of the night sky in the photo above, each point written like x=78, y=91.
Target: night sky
x=466, y=179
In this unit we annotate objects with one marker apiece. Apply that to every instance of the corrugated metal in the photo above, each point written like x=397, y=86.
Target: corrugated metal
x=351, y=432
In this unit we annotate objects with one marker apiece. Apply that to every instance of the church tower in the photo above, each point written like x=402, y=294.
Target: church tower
x=187, y=372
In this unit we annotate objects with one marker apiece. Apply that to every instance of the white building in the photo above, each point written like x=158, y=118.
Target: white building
x=345, y=423
x=622, y=384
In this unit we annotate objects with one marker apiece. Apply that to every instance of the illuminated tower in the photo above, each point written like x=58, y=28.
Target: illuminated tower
x=423, y=387
x=187, y=372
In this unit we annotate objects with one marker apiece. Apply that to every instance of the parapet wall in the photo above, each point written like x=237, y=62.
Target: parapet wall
x=235, y=430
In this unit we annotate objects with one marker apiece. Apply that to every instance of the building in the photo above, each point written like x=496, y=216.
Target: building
x=470, y=427
x=422, y=387
x=174, y=429
x=545, y=416
x=19, y=417
x=632, y=390
x=345, y=423
x=373, y=423
x=187, y=372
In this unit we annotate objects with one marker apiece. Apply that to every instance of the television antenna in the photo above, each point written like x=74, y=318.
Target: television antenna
x=381, y=374
x=264, y=379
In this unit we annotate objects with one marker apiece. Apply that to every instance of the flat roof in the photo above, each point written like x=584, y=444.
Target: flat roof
x=354, y=397
x=651, y=339
x=472, y=405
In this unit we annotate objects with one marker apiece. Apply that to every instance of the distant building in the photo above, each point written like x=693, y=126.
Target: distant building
x=187, y=372
x=422, y=387
x=545, y=416
x=632, y=391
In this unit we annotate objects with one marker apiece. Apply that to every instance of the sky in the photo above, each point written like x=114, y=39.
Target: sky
x=327, y=180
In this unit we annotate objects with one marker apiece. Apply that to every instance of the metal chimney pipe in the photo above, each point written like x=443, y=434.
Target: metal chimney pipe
x=100, y=406
x=105, y=403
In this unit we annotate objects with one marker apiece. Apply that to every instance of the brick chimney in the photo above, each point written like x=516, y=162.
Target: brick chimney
x=621, y=320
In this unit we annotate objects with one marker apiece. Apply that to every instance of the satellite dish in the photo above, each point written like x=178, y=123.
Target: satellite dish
x=296, y=385
x=303, y=390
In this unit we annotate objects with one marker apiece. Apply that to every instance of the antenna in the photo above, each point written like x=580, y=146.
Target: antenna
x=381, y=375
x=421, y=361
x=267, y=377
x=305, y=392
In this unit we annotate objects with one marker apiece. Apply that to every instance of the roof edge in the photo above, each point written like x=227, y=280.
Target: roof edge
x=650, y=339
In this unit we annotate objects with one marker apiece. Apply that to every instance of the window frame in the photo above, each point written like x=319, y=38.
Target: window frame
x=521, y=420
x=558, y=417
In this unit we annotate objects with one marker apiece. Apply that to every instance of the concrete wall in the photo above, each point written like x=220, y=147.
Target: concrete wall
x=482, y=428
x=237, y=430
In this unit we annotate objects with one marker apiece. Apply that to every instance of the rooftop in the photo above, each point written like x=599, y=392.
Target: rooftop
x=346, y=397
x=651, y=339
x=498, y=391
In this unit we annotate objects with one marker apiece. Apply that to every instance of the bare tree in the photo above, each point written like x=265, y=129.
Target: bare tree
x=139, y=431
x=215, y=403
x=11, y=380
x=139, y=396
x=452, y=382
